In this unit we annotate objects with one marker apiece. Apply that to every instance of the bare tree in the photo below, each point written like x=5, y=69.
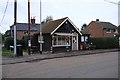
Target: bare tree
x=48, y=18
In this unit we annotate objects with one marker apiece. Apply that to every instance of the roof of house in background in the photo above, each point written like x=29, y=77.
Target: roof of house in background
x=106, y=25
x=24, y=27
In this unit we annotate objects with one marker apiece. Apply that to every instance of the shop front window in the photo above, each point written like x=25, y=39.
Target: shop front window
x=61, y=41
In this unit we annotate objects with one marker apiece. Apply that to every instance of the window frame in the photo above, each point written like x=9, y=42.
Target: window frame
x=61, y=41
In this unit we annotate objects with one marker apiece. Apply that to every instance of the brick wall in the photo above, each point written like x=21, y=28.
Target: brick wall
x=94, y=30
x=20, y=34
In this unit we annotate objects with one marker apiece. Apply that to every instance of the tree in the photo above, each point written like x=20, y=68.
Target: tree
x=83, y=27
x=48, y=18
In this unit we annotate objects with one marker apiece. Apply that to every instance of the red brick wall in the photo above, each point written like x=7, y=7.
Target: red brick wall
x=20, y=34
x=94, y=29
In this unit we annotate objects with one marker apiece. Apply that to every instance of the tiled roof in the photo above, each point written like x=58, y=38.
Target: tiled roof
x=48, y=27
x=107, y=25
x=24, y=26
x=52, y=25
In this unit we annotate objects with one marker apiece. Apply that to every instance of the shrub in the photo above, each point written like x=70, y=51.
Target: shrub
x=10, y=41
x=25, y=42
x=105, y=42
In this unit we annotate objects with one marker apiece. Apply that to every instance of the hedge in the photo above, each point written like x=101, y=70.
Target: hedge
x=10, y=41
x=105, y=42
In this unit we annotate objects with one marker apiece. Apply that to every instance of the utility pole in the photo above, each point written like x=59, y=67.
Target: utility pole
x=29, y=40
x=15, y=20
x=40, y=28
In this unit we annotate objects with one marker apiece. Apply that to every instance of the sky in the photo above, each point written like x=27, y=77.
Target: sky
x=79, y=11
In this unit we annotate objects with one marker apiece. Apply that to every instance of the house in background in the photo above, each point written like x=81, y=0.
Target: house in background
x=101, y=29
x=59, y=35
x=22, y=29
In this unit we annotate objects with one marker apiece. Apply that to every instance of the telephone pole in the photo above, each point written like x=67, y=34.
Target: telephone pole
x=15, y=20
x=29, y=41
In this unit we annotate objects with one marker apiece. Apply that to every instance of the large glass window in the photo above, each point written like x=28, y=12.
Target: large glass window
x=61, y=41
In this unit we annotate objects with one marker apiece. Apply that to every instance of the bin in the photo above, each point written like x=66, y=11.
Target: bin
x=81, y=46
x=19, y=50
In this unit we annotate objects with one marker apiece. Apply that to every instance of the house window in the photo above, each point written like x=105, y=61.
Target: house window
x=61, y=41
x=84, y=38
x=114, y=30
x=108, y=30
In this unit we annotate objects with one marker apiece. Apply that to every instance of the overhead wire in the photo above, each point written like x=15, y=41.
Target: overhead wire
x=112, y=2
x=4, y=12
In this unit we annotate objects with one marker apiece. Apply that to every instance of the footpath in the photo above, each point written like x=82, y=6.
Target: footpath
x=44, y=56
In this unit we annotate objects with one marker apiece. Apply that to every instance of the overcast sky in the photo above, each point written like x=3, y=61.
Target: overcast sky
x=79, y=11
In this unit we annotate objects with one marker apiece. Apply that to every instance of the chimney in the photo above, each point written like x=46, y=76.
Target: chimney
x=97, y=19
x=32, y=20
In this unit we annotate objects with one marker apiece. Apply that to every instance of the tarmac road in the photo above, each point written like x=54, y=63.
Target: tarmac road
x=103, y=65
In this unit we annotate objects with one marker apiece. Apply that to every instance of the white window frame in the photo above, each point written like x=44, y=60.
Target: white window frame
x=82, y=39
x=61, y=43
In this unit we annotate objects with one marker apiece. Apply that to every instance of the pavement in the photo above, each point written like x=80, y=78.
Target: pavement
x=48, y=55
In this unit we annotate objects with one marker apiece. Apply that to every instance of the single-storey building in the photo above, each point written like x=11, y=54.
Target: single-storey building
x=59, y=35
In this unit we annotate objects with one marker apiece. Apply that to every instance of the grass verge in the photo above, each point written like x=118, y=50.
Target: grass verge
x=7, y=53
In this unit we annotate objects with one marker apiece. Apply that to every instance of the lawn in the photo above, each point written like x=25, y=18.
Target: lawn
x=8, y=53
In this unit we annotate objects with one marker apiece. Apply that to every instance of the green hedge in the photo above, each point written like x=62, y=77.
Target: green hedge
x=105, y=42
x=10, y=41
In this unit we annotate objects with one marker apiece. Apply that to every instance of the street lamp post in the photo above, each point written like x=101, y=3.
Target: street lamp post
x=15, y=20
x=40, y=29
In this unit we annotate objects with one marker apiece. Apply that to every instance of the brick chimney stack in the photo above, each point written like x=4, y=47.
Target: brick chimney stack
x=97, y=19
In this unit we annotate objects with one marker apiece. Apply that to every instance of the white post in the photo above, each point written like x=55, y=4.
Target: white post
x=15, y=50
x=15, y=20
x=119, y=42
x=40, y=29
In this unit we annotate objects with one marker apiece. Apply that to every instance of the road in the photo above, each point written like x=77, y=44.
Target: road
x=104, y=65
